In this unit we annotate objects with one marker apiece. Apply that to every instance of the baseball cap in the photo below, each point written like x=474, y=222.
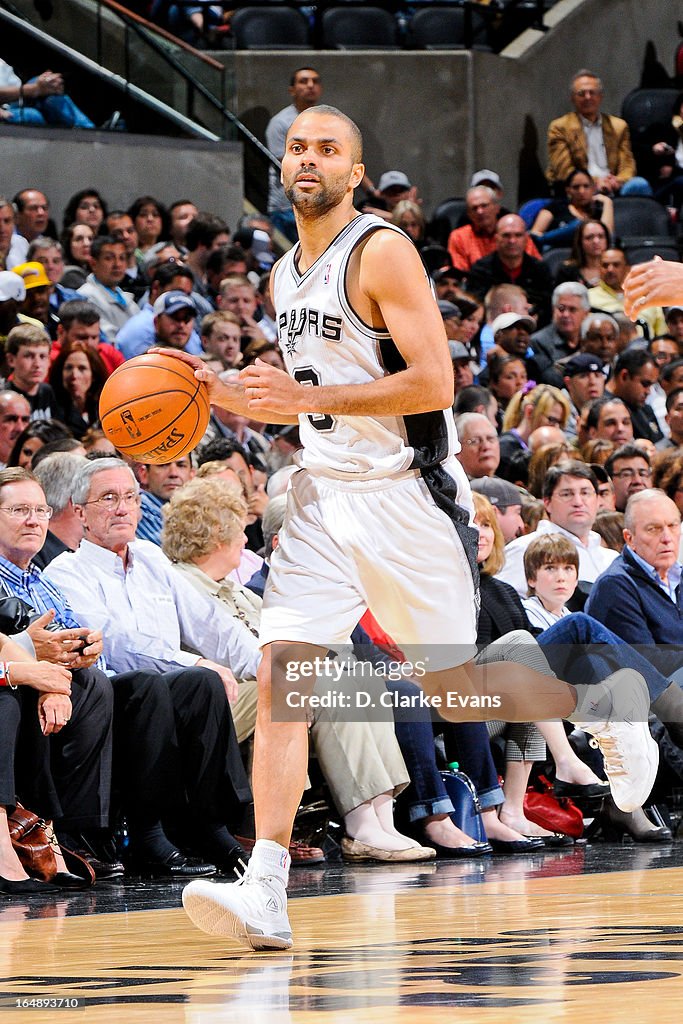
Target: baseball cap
x=505, y=320
x=32, y=274
x=458, y=350
x=11, y=286
x=499, y=492
x=485, y=176
x=447, y=274
x=582, y=362
x=170, y=302
x=393, y=179
x=449, y=310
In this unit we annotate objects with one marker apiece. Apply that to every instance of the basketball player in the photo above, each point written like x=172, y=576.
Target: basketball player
x=379, y=514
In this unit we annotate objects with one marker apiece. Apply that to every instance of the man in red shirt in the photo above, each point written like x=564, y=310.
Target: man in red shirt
x=477, y=239
x=80, y=321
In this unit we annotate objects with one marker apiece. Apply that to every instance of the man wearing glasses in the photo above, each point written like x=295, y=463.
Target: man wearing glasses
x=629, y=468
x=570, y=496
x=189, y=646
x=589, y=140
x=479, y=454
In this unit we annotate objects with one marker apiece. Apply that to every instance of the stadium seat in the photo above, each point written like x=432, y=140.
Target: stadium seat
x=640, y=217
x=644, y=252
x=446, y=218
x=367, y=28
x=530, y=210
x=445, y=28
x=554, y=258
x=269, y=28
x=645, y=107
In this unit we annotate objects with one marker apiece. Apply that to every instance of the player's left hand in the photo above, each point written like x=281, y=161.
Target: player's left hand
x=270, y=389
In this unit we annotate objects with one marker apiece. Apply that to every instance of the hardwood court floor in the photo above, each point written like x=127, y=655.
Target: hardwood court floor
x=593, y=933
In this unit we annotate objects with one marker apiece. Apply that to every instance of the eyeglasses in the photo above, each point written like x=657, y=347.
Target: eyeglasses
x=24, y=511
x=585, y=493
x=631, y=474
x=477, y=442
x=111, y=501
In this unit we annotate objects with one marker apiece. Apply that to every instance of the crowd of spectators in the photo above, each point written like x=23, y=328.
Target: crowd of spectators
x=570, y=421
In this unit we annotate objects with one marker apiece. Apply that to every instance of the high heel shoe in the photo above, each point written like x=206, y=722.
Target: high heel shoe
x=25, y=886
x=616, y=824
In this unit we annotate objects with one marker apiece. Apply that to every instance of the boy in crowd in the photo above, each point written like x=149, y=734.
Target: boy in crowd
x=551, y=567
x=28, y=357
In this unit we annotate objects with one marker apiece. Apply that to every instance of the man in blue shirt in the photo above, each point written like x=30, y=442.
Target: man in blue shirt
x=639, y=596
x=159, y=485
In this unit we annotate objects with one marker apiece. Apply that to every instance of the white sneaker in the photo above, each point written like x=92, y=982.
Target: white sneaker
x=254, y=910
x=630, y=754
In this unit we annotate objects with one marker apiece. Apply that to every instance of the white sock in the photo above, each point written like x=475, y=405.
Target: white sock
x=269, y=858
x=593, y=704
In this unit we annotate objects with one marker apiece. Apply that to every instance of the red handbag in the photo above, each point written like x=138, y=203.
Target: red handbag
x=556, y=814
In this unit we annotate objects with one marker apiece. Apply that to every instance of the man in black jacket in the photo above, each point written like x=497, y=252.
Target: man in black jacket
x=510, y=264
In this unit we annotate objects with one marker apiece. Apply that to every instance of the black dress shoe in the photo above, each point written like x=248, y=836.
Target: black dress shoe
x=67, y=880
x=514, y=846
x=233, y=863
x=591, y=792
x=25, y=887
x=176, y=865
x=446, y=852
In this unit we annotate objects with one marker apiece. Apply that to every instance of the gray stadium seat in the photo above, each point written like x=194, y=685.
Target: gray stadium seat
x=367, y=28
x=269, y=28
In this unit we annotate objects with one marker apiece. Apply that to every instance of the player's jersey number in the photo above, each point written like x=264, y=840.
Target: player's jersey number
x=307, y=376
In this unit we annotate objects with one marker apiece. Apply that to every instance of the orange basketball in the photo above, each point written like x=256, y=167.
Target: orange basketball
x=154, y=409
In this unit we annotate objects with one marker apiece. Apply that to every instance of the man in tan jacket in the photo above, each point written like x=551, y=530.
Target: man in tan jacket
x=591, y=141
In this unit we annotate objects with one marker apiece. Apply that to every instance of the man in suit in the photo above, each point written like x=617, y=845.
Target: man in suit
x=589, y=140
x=639, y=596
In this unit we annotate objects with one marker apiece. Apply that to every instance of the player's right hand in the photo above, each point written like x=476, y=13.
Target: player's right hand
x=40, y=675
x=201, y=371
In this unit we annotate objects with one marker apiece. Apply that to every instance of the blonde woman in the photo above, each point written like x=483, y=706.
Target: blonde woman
x=361, y=761
x=534, y=406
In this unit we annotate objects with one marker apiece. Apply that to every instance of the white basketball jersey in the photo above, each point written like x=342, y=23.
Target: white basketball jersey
x=324, y=342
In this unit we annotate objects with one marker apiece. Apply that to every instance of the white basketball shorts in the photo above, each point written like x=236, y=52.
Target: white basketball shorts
x=387, y=547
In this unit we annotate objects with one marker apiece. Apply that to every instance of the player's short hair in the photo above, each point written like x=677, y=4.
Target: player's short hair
x=354, y=130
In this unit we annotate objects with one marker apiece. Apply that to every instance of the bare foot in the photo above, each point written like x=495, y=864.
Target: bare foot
x=577, y=773
x=496, y=829
x=10, y=865
x=524, y=826
x=446, y=833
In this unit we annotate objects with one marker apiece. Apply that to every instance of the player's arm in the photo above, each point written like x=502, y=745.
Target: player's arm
x=657, y=283
x=393, y=284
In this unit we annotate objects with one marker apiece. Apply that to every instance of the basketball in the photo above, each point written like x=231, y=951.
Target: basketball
x=154, y=409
